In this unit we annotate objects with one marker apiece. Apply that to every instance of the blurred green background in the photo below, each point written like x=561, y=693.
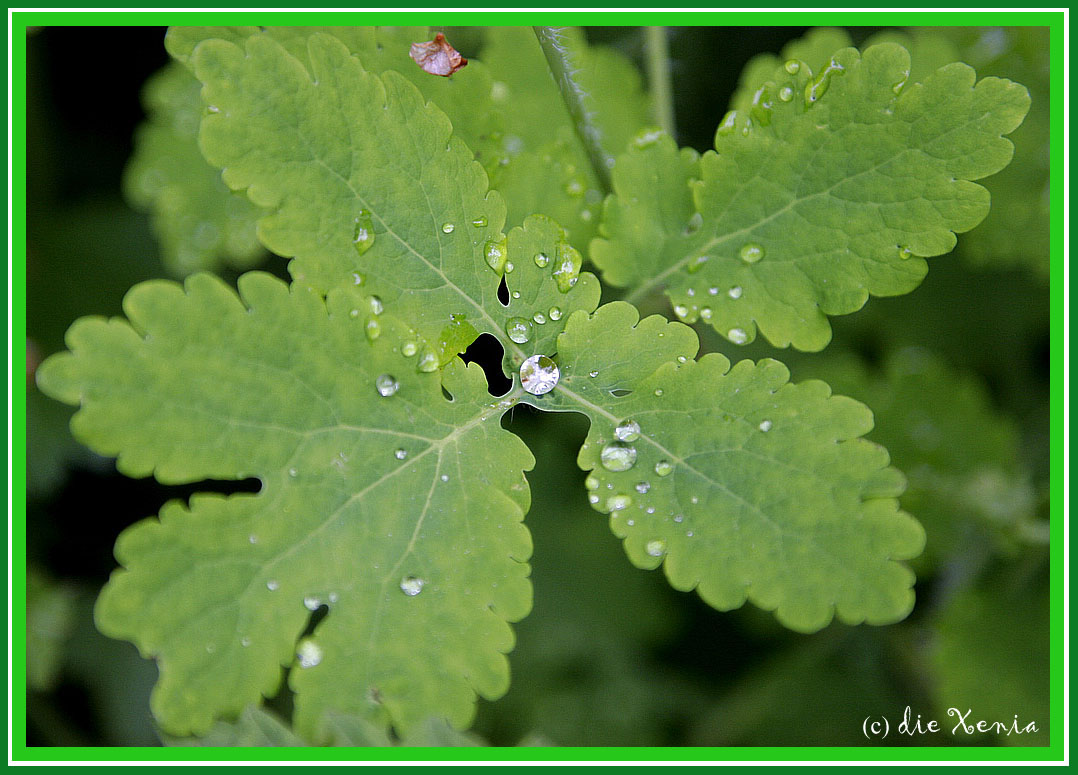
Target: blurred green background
x=957, y=373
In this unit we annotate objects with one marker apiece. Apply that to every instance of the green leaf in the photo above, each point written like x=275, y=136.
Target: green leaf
x=960, y=455
x=742, y=485
x=198, y=222
x=419, y=554
x=255, y=727
x=807, y=206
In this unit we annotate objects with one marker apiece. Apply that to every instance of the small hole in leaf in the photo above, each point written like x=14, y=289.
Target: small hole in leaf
x=315, y=619
x=503, y=293
x=487, y=351
x=446, y=394
x=619, y=392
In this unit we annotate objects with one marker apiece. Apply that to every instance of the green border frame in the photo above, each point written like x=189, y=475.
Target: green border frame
x=19, y=752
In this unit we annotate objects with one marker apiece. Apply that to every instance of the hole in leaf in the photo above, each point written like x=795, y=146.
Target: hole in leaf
x=446, y=394
x=487, y=351
x=619, y=392
x=503, y=292
x=315, y=619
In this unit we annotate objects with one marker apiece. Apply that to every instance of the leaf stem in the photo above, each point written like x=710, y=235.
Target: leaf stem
x=557, y=57
x=662, y=95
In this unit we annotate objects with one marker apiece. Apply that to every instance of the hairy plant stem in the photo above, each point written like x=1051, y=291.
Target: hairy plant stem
x=662, y=96
x=557, y=57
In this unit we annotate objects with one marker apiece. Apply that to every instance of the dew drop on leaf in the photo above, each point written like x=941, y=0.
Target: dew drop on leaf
x=427, y=362
x=817, y=87
x=541, y=260
x=627, y=430
x=519, y=330
x=357, y=278
x=751, y=252
x=309, y=653
x=386, y=385
x=272, y=585
x=567, y=266
x=735, y=292
x=593, y=373
x=765, y=426
x=293, y=472
x=539, y=375
x=737, y=335
x=705, y=313
x=554, y=313
x=656, y=547
x=591, y=482
x=401, y=454
x=479, y=222
x=663, y=468
x=496, y=253
x=593, y=498
x=376, y=305
x=539, y=318
x=793, y=67
x=786, y=94
x=408, y=349
x=729, y=121
x=411, y=585
x=245, y=641
x=618, y=502
x=643, y=487
x=444, y=477
x=697, y=263
x=373, y=329
x=681, y=310
x=618, y=456
x=904, y=253
x=311, y=603
x=363, y=233
x=447, y=228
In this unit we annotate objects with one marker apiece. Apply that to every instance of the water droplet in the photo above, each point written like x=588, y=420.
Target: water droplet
x=412, y=586
x=679, y=518
x=408, y=349
x=737, y=335
x=479, y=222
x=705, y=313
x=696, y=263
x=618, y=502
x=786, y=94
x=617, y=456
x=713, y=291
x=444, y=477
x=663, y=468
x=210, y=648
x=681, y=310
x=689, y=533
x=751, y=252
x=591, y=483
x=765, y=426
x=376, y=305
x=593, y=373
x=574, y=188
x=630, y=522
x=817, y=87
x=539, y=375
x=658, y=392
x=252, y=539
x=401, y=454
x=357, y=278
x=690, y=292
x=518, y=329
x=311, y=603
x=447, y=228
x=386, y=385
x=427, y=362
x=567, y=266
x=272, y=585
x=762, y=106
x=354, y=313
x=333, y=597
x=694, y=500
x=656, y=547
x=643, y=487
x=309, y=653
x=735, y=292
x=904, y=252
x=373, y=329
x=293, y=473
x=793, y=67
x=554, y=313
x=593, y=498
x=363, y=234
x=245, y=641
x=516, y=294
x=496, y=254
x=627, y=430
x=729, y=121
x=541, y=260
x=509, y=267
x=647, y=138
x=539, y=318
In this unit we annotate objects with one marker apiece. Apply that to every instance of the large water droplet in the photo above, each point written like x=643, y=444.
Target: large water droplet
x=373, y=329
x=627, y=430
x=618, y=456
x=541, y=260
x=567, y=266
x=656, y=547
x=539, y=318
x=681, y=310
x=518, y=329
x=786, y=94
x=818, y=86
x=751, y=252
x=618, y=502
x=793, y=67
x=447, y=228
x=427, y=362
x=309, y=653
x=737, y=335
x=376, y=305
x=408, y=349
x=411, y=585
x=663, y=468
x=386, y=385
x=554, y=313
x=539, y=375
x=496, y=254
x=905, y=252
x=363, y=234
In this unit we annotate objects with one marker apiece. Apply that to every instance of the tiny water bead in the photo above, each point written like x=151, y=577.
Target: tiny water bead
x=591, y=482
x=272, y=585
x=705, y=313
x=311, y=603
x=681, y=310
x=518, y=330
x=539, y=318
x=735, y=292
x=786, y=94
x=542, y=260
x=618, y=502
x=765, y=426
x=373, y=329
x=363, y=233
x=539, y=375
x=663, y=468
x=408, y=349
x=793, y=67
x=751, y=252
x=293, y=472
x=357, y=278
x=447, y=228
x=593, y=499
x=656, y=547
x=904, y=252
x=627, y=430
x=479, y=222
x=618, y=456
x=696, y=264
x=643, y=487
x=412, y=585
x=593, y=373
x=386, y=385
x=496, y=254
x=401, y=454
x=737, y=335
x=309, y=653
x=554, y=313
x=376, y=305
